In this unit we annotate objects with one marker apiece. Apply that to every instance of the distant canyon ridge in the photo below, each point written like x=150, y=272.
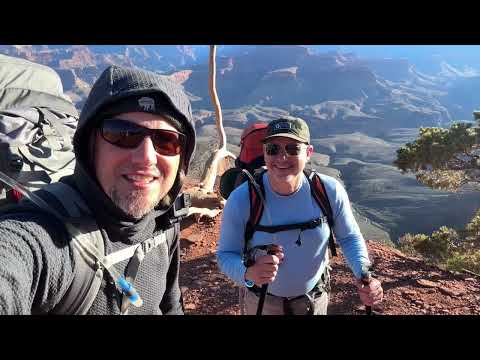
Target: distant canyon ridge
x=336, y=92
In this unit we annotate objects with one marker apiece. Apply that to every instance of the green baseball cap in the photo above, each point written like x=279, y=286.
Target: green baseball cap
x=290, y=127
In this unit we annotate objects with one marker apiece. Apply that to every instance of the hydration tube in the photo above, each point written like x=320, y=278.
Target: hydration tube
x=122, y=284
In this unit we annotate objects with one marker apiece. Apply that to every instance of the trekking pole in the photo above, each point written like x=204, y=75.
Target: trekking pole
x=366, y=278
x=272, y=249
x=261, y=300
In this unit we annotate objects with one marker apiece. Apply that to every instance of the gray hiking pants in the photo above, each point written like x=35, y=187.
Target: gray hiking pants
x=275, y=305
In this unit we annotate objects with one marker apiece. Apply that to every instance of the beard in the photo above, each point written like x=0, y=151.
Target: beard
x=136, y=204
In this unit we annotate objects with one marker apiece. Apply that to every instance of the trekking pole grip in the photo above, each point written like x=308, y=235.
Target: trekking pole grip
x=366, y=277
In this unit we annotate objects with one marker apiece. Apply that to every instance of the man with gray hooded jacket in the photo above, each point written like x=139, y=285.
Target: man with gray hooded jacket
x=133, y=145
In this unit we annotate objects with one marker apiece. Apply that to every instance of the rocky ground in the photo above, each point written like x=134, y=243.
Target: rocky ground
x=411, y=286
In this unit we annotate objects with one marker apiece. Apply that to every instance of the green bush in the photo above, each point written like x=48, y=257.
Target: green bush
x=441, y=244
x=472, y=232
x=436, y=247
x=446, y=248
x=412, y=243
x=459, y=262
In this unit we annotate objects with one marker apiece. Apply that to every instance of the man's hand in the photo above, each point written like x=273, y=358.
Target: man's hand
x=370, y=293
x=265, y=269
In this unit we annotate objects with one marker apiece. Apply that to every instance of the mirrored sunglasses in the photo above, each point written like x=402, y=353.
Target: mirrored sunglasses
x=128, y=135
x=289, y=149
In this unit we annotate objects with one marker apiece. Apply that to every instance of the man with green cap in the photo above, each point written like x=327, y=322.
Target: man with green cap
x=291, y=260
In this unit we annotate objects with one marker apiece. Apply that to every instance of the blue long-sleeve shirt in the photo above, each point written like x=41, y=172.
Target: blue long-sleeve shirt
x=303, y=265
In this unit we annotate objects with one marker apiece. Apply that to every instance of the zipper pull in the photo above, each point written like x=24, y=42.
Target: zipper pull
x=299, y=240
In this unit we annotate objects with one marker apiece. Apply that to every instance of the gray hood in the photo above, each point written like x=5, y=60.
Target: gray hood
x=116, y=84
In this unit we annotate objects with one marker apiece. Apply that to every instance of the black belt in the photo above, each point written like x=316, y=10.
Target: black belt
x=315, y=291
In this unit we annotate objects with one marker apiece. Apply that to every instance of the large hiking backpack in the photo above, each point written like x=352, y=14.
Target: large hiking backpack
x=250, y=158
x=37, y=123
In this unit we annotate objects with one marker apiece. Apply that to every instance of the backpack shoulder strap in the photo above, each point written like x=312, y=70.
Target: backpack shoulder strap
x=256, y=192
x=88, y=273
x=319, y=193
x=87, y=279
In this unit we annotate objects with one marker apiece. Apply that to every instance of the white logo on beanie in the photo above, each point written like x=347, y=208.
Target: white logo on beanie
x=147, y=104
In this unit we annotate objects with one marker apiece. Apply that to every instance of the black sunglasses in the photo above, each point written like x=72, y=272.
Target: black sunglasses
x=128, y=135
x=289, y=149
